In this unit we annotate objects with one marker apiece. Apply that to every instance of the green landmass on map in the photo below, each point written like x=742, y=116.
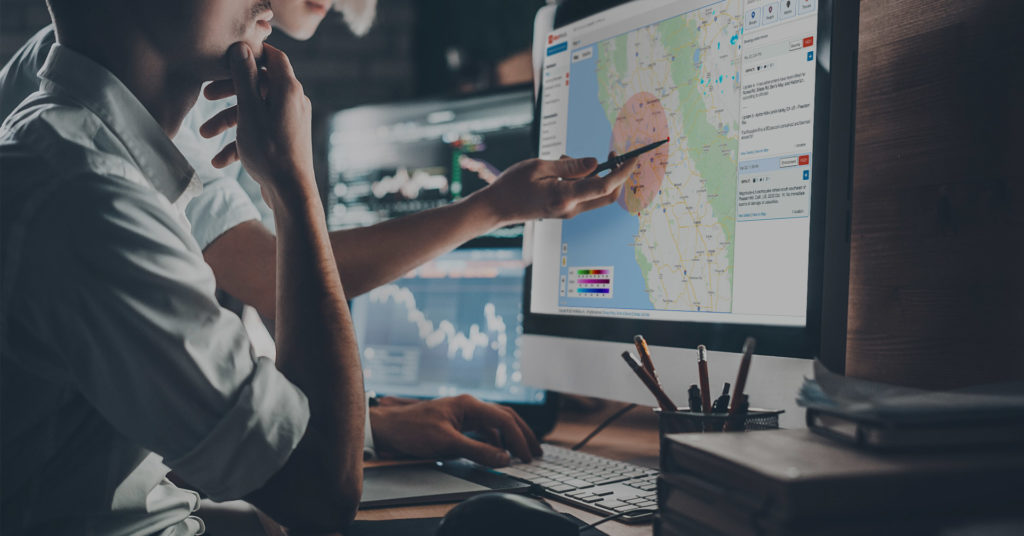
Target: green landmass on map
x=712, y=153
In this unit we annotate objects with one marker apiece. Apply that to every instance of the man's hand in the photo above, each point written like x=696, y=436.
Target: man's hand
x=563, y=188
x=433, y=429
x=273, y=116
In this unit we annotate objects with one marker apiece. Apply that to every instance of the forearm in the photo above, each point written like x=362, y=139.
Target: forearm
x=316, y=344
x=371, y=256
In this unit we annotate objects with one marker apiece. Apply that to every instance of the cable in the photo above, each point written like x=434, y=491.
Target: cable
x=616, y=516
x=602, y=426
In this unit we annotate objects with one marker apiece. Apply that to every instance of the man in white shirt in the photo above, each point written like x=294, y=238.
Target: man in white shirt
x=117, y=362
x=230, y=222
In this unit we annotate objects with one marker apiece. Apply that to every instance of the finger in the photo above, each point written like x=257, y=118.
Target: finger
x=227, y=156
x=595, y=203
x=279, y=68
x=594, y=187
x=220, y=89
x=484, y=415
x=531, y=439
x=244, y=74
x=224, y=120
x=566, y=167
x=479, y=452
x=491, y=436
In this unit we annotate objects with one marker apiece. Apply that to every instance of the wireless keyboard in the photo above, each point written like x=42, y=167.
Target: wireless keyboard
x=591, y=482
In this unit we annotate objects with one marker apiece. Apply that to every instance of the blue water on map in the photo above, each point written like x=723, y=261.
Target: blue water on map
x=601, y=237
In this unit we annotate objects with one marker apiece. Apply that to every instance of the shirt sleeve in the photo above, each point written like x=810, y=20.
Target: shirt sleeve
x=122, y=294
x=222, y=204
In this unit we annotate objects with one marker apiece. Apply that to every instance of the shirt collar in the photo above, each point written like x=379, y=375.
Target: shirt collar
x=94, y=87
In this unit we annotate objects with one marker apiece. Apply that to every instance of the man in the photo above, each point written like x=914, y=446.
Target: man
x=117, y=362
x=225, y=219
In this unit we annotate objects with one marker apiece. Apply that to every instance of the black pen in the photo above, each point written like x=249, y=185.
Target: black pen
x=617, y=161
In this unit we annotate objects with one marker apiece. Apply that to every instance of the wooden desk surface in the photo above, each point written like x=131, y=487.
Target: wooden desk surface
x=633, y=438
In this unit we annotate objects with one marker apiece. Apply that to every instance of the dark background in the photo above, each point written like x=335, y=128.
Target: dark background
x=937, y=236
x=405, y=54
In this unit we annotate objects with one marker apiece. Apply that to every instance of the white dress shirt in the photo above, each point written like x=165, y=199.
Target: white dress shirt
x=117, y=362
x=228, y=196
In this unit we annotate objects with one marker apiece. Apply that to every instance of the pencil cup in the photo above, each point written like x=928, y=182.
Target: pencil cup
x=678, y=422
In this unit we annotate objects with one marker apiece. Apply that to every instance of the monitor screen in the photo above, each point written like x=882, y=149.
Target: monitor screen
x=450, y=327
x=392, y=160
x=715, y=228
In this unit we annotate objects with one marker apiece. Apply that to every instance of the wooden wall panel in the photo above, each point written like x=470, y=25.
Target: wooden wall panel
x=936, y=270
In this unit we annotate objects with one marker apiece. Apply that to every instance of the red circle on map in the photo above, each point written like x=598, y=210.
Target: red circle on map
x=641, y=121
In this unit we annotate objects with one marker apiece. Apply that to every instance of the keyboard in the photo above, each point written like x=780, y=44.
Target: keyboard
x=591, y=482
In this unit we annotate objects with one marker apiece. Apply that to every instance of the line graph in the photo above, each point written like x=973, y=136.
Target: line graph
x=456, y=343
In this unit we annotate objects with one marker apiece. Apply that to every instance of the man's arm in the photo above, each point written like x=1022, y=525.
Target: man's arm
x=371, y=256
x=320, y=485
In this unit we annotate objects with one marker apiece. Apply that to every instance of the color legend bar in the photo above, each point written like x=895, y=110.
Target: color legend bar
x=590, y=282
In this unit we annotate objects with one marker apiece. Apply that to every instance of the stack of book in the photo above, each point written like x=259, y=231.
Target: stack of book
x=795, y=482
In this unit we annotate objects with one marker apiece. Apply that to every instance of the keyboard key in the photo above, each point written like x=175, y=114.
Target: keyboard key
x=578, y=493
x=579, y=483
x=602, y=492
x=559, y=488
x=591, y=498
x=625, y=508
x=611, y=504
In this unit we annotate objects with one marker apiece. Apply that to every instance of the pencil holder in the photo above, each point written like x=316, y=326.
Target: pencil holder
x=679, y=421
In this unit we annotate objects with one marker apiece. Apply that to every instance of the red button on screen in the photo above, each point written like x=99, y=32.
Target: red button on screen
x=804, y=159
x=808, y=41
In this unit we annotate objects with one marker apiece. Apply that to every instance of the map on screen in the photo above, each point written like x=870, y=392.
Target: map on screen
x=668, y=241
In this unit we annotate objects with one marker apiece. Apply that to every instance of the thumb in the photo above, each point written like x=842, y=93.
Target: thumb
x=481, y=452
x=244, y=74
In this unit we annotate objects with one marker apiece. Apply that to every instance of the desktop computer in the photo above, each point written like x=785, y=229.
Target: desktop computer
x=737, y=227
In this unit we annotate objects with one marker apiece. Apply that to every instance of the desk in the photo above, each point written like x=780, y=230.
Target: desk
x=633, y=438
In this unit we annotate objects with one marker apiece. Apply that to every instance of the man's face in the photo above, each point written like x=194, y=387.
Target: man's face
x=196, y=34
x=300, y=18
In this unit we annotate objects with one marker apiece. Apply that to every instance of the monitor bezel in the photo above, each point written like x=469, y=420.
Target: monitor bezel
x=828, y=265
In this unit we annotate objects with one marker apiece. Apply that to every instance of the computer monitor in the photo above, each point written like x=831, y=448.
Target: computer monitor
x=454, y=325
x=451, y=326
x=391, y=160
x=736, y=227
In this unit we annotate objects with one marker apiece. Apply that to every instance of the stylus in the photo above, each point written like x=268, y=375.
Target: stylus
x=617, y=161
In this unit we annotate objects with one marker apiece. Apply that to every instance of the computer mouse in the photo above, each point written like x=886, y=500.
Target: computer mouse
x=505, y=514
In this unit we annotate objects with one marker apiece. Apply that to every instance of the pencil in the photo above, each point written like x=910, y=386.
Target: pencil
x=664, y=401
x=645, y=355
x=705, y=384
x=741, y=376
